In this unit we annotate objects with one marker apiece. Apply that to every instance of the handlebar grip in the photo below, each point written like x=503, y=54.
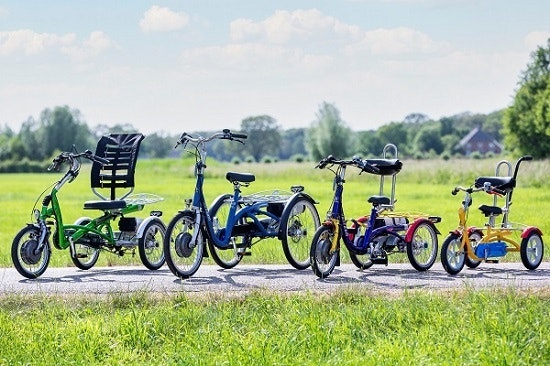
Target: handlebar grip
x=239, y=135
x=101, y=160
x=454, y=192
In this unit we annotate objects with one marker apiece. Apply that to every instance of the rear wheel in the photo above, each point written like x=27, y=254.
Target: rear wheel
x=452, y=256
x=28, y=259
x=183, y=254
x=323, y=260
x=422, y=249
x=231, y=256
x=531, y=251
x=474, y=237
x=84, y=257
x=150, y=247
x=298, y=228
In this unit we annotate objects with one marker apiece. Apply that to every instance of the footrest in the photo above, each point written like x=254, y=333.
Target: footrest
x=380, y=260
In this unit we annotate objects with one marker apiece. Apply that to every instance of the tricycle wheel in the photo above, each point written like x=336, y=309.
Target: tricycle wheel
x=422, y=249
x=150, y=247
x=28, y=259
x=532, y=250
x=452, y=257
x=231, y=256
x=322, y=260
x=475, y=237
x=361, y=261
x=84, y=257
x=299, y=226
x=183, y=256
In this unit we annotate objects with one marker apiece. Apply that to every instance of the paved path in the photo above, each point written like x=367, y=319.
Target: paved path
x=394, y=278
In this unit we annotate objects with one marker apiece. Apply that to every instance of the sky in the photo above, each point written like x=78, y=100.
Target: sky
x=202, y=65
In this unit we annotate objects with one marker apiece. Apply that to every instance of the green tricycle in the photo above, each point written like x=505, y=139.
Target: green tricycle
x=112, y=170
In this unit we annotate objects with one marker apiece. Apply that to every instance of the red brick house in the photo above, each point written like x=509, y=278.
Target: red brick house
x=478, y=141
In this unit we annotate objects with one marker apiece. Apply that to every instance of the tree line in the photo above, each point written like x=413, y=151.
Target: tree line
x=523, y=128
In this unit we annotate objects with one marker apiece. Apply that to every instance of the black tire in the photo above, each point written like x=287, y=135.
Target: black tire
x=85, y=257
x=452, y=257
x=474, y=238
x=230, y=257
x=26, y=260
x=183, y=257
x=532, y=250
x=361, y=261
x=322, y=261
x=423, y=248
x=298, y=227
x=151, y=250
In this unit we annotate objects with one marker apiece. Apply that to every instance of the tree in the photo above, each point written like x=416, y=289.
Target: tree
x=329, y=135
x=62, y=129
x=395, y=133
x=428, y=139
x=264, y=136
x=527, y=120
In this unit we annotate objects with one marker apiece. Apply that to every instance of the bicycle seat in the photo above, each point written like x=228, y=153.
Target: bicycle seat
x=386, y=166
x=105, y=205
x=379, y=200
x=240, y=177
x=503, y=183
x=490, y=210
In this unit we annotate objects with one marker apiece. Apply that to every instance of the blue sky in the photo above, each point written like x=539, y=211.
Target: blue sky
x=174, y=66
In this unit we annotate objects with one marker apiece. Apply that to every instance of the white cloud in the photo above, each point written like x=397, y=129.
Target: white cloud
x=93, y=46
x=161, y=19
x=29, y=42
x=292, y=26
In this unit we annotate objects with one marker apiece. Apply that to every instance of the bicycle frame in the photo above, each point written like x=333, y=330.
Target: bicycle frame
x=336, y=219
x=250, y=211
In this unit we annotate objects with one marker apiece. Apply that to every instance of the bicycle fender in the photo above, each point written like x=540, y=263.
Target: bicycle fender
x=414, y=224
x=528, y=230
x=82, y=219
x=141, y=227
x=289, y=203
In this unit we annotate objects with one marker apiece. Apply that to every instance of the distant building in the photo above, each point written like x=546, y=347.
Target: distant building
x=478, y=141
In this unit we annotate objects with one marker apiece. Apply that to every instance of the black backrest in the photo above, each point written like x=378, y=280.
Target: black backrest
x=122, y=152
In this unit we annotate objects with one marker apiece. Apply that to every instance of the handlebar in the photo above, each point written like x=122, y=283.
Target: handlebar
x=487, y=187
x=226, y=134
x=356, y=161
x=72, y=158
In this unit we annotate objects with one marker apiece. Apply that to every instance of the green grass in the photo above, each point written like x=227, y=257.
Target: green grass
x=348, y=328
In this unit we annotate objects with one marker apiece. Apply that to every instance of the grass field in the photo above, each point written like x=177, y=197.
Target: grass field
x=352, y=327
x=423, y=186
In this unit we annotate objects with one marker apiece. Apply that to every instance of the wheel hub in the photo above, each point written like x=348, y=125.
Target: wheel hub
x=323, y=251
x=183, y=245
x=28, y=251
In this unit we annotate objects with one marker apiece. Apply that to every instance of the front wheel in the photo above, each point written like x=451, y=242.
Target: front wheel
x=452, y=256
x=30, y=260
x=322, y=259
x=298, y=228
x=150, y=246
x=183, y=253
x=84, y=257
x=531, y=251
x=231, y=256
x=422, y=249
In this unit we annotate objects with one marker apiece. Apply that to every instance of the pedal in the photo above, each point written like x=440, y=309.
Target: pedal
x=81, y=255
x=491, y=261
x=248, y=254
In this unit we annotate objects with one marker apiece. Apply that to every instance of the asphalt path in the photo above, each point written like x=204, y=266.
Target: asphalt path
x=394, y=278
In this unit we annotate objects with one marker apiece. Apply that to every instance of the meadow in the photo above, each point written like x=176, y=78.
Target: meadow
x=354, y=326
